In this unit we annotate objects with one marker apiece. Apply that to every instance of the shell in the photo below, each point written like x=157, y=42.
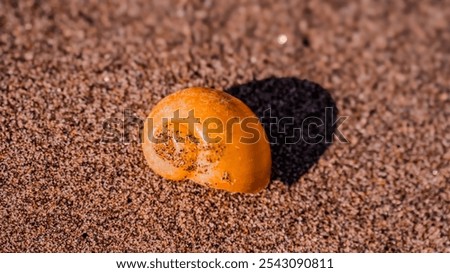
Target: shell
x=209, y=137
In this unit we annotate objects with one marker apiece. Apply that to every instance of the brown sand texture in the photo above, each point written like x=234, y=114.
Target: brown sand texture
x=66, y=67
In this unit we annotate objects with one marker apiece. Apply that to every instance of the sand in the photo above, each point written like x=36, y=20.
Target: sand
x=66, y=69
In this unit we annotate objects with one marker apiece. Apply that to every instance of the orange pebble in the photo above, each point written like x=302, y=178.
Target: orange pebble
x=209, y=137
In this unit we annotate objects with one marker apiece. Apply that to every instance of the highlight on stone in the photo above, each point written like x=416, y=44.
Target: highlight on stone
x=209, y=137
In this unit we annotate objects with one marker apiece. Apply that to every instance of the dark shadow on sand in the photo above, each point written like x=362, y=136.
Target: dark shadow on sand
x=299, y=119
